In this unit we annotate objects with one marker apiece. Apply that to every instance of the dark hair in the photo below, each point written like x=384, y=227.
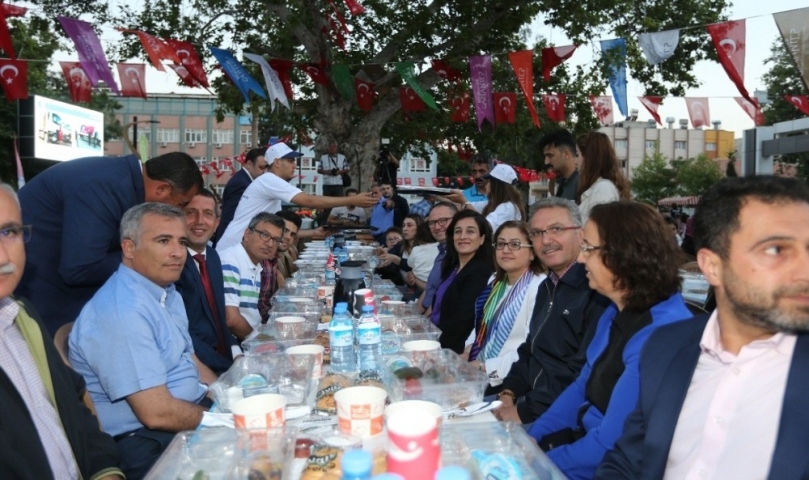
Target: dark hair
x=600, y=161
x=451, y=206
x=535, y=265
x=560, y=139
x=408, y=245
x=717, y=216
x=268, y=217
x=396, y=230
x=351, y=190
x=177, y=169
x=501, y=192
x=387, y=181
x=204, y=192
x=481, y=159
x=253, y=155
x=291, y=216
x=637, y=248
x=669, y=220
x=423, y=235
x=684, y=217
x=485, y=252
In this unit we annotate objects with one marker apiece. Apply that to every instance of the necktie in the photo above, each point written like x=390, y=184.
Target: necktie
x=206, y=285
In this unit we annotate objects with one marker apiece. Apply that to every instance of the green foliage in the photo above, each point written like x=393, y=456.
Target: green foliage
x=696, y=175
x=657, y=177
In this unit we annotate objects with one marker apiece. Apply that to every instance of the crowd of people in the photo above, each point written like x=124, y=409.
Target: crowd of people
x=124, y=293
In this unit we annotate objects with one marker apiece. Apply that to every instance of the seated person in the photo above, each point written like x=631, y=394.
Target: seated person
x=349, y=216
x=131, y=342
x=288, y=250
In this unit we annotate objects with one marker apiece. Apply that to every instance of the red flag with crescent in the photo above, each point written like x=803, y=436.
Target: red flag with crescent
x=505, y=107
x=652, y=104
x=14, y=77
x=801, y=102
x=6, y=43
x=552, y=57
x=459, y=106
x=752, y=109
x=444, y=71
x=523, y=64
x=555, y=106
x=354, y=7
x=133, y=79
x=410, y=101
x=77, y=82
x=365, y=94
x=602, y=106
x=315, y=73
x=729, y=40
x=185, y=75
x=699, y=111
x=282, y=68
x=190, y=60
x=157, y=50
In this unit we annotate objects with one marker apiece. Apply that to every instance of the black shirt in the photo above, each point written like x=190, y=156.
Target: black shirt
x=566, y=187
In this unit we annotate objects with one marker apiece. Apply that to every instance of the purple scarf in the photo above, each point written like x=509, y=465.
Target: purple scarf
x=435, y=314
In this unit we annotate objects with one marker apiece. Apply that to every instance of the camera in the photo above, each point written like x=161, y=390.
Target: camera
x=334, y=171
x=384, y=153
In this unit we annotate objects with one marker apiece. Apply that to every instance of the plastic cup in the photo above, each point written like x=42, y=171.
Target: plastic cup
x=421, y=346
x=314, y=350
x=360, y=410
x=290, y=325
x=413, y=450
x=260, y=411
x=433, y=409
x=392, y=307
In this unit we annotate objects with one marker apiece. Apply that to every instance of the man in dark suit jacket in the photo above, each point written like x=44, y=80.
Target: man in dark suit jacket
x=725, y=396
x=207, y=327
x=254, y=165
x=75, y=208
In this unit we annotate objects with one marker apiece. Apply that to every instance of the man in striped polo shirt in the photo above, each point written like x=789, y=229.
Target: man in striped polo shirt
x=241, y=268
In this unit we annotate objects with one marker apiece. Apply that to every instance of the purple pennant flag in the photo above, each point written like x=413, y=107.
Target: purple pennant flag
x=480, y=68
x=91, y=54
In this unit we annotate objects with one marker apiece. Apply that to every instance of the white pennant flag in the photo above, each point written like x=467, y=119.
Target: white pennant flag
x=274, y=85
x=659, y=46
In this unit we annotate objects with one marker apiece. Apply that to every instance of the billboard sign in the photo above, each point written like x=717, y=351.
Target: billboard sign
x=63, y=131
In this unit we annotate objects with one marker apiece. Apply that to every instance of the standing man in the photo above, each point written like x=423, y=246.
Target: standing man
x=267, y=193
x=202, y=288
x=559, y=151
x=45, y=429
x=438, y=221
x=724, y=396
x=390, y=211
x=387, y=167
x=131, y=342
x=332, y=166
x=478, y=191
x=254, y=166
x=564, y=321
x=76, y=208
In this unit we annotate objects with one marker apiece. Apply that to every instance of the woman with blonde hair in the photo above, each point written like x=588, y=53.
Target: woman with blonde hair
x=600, y=177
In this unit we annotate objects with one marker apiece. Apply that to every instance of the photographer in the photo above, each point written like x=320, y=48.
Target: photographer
x=332, y=166
x=387, y=167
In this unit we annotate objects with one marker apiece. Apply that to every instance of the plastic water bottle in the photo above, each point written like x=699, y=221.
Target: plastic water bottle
x=342, y=255
x=369, y=333
x=357, y=465
x=341, y=340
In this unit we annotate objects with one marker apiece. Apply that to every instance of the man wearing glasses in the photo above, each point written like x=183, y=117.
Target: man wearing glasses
x=478, y=191
x=565, y=315
x=242, y=271
x=254, y=166
x=438, y=221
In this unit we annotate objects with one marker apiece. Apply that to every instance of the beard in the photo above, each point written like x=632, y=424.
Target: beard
x=759, y=308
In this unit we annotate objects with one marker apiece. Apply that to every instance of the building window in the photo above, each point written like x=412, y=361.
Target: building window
x=679, y=145
x=195, y=136
x=623, y=163
x=710, y=147
x=651, y=144
x=419, y=165
x=308, y=163
x=223, y=137
x=246, y=138
x=621, y=144
x=201, y=161
x=168, y=135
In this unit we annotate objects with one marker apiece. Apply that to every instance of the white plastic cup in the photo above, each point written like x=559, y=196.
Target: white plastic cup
x=433, y=409
x=260, y=411
x=289, y=325
x=314, y=350
x=421, y=346
x=360, y=410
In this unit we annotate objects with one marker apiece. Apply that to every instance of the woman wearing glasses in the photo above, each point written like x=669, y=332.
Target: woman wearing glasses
x=630, y=259
x=600, y=176
x=504, y=308
x=464, y=274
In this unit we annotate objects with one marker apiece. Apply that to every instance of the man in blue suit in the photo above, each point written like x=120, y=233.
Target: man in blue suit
x=724, y=396
x=254, y=165
x=75, y=209
x=207, y=327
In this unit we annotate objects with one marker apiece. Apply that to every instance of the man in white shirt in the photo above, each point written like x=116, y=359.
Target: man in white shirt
x=332, y=166
x=269, y=191
x=348, y=215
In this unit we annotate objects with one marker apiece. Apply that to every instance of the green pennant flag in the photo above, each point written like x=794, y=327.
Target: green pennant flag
x=406, y=70
x=143, y=148
x=343, y=80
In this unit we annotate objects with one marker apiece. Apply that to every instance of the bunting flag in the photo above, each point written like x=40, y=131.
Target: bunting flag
x=190, y=60
x=801, y=102
x=6, y=43
x=143, y=148
x=699, y=111
x=444, y=71
x=364, y=92
x=156, y=49
x=407, y=71
x=505, y=107
x=552, y=57
x=20, y=173
x=459, y=106
x=315, y=73
x=237, y=73
x=77, y=82
x=343, y=80
x=354, y=7
x=659, y=46
x=91, y=54
x=652, y=104
x=752, y=109
x=615, y=52
x=133, y=79
x=602, y=106
x=410, y=101
x=729, y=40
x=523, y=65
x=340, y=18
x=794, y=28
x=480, y=68
x=185, y=75
x=282, y=68
x=555, y=106
x=337, y=35
x=274, y=86
x=14, y=78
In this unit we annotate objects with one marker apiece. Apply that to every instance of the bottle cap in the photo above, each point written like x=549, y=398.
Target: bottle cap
x=357, y=462
x=367, y=309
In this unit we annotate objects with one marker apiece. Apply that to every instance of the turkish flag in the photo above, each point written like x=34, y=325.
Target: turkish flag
x=336, y=34
x=190, y=60
x=133, y=79
x=652, y=104
x=699, y=111
x=5, y=35
x=315, y=73
x=354, y=7
x=444, y=71
x=523, y=65
x=602, y=106
x=157, y=50
x=340, y=18
x=729, y=40
x=77, y=81
x=555, y=106
x=282, y=68
x=505, y=107
x=185, y=75
x=410, y=101
x=365, y=94
x=553, y=57
x=801, y=102
x=459, y=105
x=14, y=75
x=752, y=109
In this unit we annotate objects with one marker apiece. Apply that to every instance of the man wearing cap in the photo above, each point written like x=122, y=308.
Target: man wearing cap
x=254, y=166
x=504, y=203
x=268, y=192
x=478, y=191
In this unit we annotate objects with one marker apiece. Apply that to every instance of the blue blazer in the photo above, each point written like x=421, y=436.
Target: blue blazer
x=234, y=190
x=201, y=325
x=75, y=209
x=668, y=363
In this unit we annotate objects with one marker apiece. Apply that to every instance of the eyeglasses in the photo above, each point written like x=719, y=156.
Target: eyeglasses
x=266, y=237
x=441, y=222
x=13, y=234
x=551, y=232
x=512, y=245
x=588, y=249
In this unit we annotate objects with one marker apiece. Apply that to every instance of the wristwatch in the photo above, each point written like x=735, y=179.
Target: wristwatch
x=466, y=205
x=508, y=393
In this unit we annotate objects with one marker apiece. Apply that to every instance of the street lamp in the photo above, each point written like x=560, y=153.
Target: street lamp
x=134, y=124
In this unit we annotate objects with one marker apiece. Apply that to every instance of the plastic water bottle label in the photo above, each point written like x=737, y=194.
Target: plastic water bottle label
x=342, y=336
x=369, y=335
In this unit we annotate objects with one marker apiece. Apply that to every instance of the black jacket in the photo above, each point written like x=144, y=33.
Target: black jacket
x=562, y=325
x=234, y=190
x=457, y=319
x=22, y=455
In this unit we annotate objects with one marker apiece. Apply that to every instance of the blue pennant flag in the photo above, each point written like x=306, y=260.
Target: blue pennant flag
x=237, y=73
x=615, y=51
